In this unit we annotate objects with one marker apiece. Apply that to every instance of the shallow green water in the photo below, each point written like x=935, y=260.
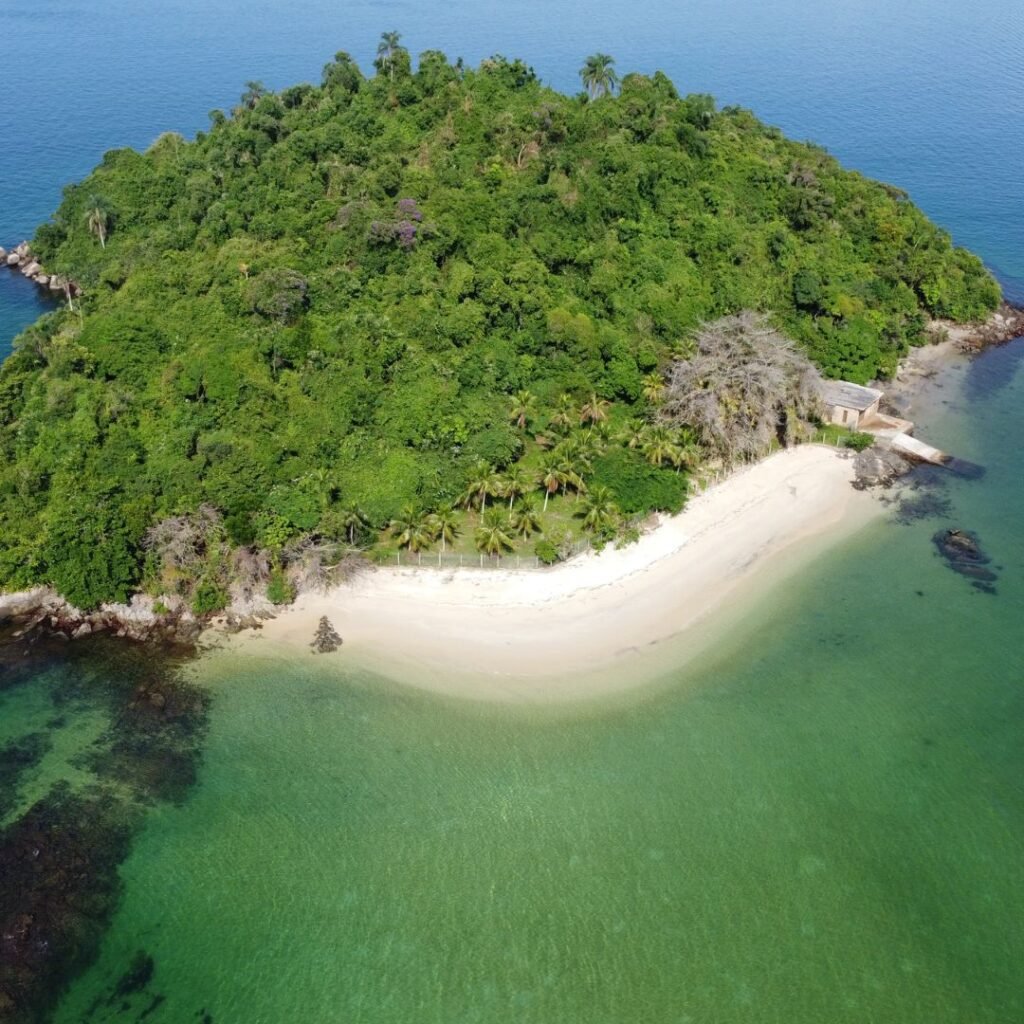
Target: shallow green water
x=825, y=823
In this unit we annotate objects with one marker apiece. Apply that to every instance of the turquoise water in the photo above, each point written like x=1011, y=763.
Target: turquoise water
x=819, y=821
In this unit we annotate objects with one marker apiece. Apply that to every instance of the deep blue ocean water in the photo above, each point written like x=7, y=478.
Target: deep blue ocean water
x=825, y=827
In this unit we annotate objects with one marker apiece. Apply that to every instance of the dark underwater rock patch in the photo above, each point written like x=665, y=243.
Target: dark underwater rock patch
x=154, y=742
x=59, y=881
x=963, y=553
x=60, y=886
x=16, y=759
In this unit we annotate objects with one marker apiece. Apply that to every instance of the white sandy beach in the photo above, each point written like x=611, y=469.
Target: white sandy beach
x=554, y=633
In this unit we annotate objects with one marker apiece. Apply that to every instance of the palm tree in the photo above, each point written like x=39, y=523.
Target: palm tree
x=353, y=522
x=386, y=50
x=490, y=535
x=594, y=410
x=515, y=484
x=411, y=529
x=564, y=415
x=254, y=92
x=522, y=408
x=686, y=454
x=525, y=518
x=634, y=433
x=445, y=524
x=599, y=76
x=97, y=218
x=552, y=475
x=599, y=510
x=659, y=446
x=654, y=387
x=482, y=484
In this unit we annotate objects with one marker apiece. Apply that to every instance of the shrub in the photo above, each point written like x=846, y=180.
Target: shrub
x=858, y=441
x=279, y=589
x=546, y=551
x=208, y=598
x=638, y=487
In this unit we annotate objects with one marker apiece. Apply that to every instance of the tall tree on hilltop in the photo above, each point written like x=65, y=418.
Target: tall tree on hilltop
x=254, y=92
x=598, y=75
x=389, y=45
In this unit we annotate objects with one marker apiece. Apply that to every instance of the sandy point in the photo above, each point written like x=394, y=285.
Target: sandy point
x=601, y=622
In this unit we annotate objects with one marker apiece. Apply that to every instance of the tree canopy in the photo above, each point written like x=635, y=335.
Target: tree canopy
x=350, y=304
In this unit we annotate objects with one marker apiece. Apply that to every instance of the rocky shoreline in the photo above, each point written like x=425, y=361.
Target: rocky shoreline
x=44, y=611
x=22, y=259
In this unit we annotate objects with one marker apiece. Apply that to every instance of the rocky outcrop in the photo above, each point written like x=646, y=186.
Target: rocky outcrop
x=21, y=258
x=1004, y=325
x=963, y=554
x=140, y=619
x=878, y=467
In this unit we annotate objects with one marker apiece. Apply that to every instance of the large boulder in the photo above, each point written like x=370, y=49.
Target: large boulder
x=13, y=259
x=31, y=268
x=3, y=254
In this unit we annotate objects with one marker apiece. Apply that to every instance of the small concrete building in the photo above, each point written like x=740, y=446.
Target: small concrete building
x=849, y=405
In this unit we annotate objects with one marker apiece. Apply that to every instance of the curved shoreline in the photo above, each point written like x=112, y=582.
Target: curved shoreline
x=593, y=624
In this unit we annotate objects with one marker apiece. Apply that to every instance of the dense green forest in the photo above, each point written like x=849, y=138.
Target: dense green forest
x=425, y=308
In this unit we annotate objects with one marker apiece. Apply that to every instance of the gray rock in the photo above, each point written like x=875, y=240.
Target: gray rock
x=31, y=268
x=42, y=280
x=13, y=259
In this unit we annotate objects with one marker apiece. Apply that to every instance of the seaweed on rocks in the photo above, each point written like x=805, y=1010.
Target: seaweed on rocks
x=326, y=639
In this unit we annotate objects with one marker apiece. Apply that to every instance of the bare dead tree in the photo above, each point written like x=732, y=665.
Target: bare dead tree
x=316, y=565
x=250, y=570
x=181, y=542
x=745, y=385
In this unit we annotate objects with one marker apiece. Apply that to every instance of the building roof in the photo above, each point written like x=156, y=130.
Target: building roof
x=849, y=396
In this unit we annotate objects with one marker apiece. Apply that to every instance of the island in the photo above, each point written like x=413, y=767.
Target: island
x=436, y=315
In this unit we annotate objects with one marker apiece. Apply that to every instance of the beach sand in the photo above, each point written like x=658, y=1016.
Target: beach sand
x=591, y=624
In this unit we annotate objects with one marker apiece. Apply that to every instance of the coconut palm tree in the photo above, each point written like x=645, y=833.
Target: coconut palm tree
x=490, y=535
x=653, y=387
x=445, y=525
x=388, y=46
x=594, y=410
x=411, y=529
x=483, y=483
x=686, y=454
x=525, y=518
x=353, y=522
x=634, y=433
x=552, y=475
x=659, y=446
x=522, y=408
x=600, y=510
x=515, y=484
x=598, y=75
x=97, y=219
x=564, y=415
